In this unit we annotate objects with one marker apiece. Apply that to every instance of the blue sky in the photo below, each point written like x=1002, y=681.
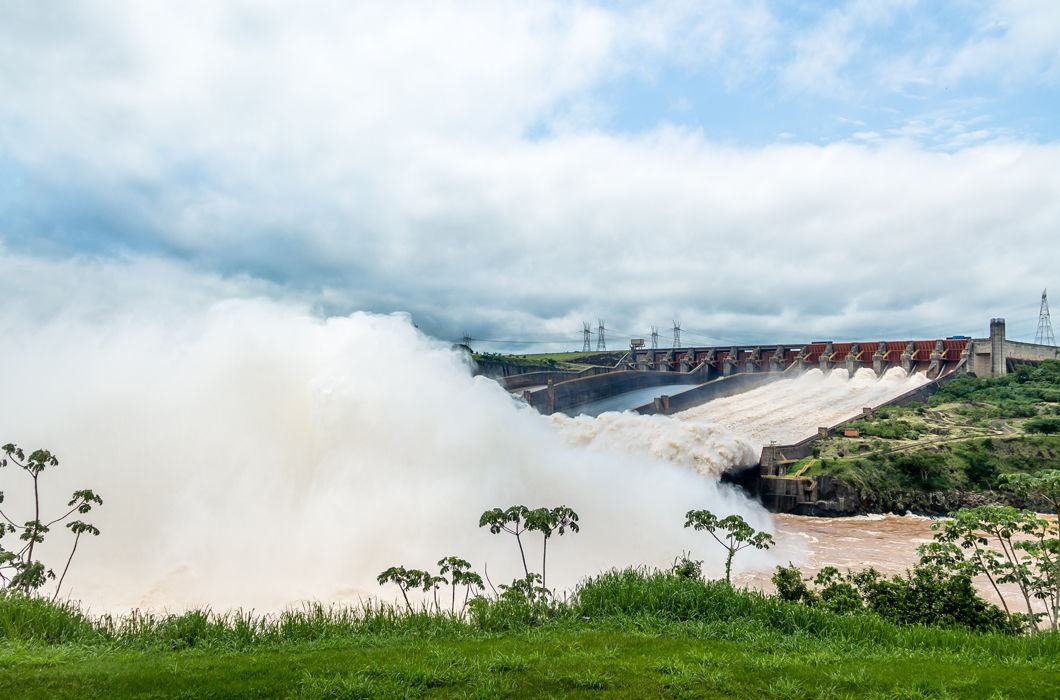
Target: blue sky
x=762, y=171
x=862, y=71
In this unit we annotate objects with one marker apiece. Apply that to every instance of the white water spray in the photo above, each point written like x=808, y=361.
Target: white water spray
x=708, y=448
x=731, y=431
x=251, y=455
x=789, y=410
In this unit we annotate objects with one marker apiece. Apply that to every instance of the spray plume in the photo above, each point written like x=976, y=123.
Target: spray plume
x=253, y=455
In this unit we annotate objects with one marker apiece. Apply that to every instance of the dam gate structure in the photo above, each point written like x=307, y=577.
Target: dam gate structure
x=643, y=367
x=706, y=370
x=695, y=375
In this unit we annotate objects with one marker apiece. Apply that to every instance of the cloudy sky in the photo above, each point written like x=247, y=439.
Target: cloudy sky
x=761, y=171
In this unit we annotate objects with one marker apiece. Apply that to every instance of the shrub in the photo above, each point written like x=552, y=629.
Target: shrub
x=929, y=595
x=791, y=586
x=1043, y=425
x=837, y=594
x=686, y=567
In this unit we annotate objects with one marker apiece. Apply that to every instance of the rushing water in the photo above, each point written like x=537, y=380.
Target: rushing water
x=789, y=410
x=252, y=455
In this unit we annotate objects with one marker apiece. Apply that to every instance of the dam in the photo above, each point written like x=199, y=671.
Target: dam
x=676, y=379
x=772, y=394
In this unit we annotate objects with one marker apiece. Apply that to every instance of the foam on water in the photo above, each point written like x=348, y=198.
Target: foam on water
x=708, y=448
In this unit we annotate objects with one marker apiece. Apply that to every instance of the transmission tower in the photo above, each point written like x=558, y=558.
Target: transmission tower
x=601, y=344
x=1044, y=336
x=586, y=333
x=466, y=340
x=654, y=337
x=677, y=334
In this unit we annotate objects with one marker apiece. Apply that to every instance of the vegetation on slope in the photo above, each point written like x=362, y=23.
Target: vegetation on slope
x=572, y=361
x=968, y=437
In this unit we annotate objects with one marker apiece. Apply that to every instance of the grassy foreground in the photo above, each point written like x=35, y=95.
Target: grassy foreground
x=623, y=634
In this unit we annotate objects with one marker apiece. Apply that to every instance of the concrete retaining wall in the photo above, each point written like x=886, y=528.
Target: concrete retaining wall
x=518, y=381
x=1030, y=352
x=499, y=370
x=564, y=396
x=716, y=389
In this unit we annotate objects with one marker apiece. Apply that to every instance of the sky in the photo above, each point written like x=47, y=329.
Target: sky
x=757, y=171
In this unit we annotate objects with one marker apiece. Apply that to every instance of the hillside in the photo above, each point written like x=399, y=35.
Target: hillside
x=952, y=450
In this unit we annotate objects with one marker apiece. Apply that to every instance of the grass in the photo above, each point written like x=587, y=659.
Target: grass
x=555, y=661
x=630, y=633
x=572, y=361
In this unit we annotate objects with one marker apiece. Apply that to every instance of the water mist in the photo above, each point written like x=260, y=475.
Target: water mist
x=253, y=455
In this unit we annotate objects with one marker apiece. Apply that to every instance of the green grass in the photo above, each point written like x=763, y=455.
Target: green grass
x=627, y=633
x=604, y=660
x=572, y=361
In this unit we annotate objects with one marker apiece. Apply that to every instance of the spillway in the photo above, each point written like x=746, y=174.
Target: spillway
x=730, y=432
x=789, y=410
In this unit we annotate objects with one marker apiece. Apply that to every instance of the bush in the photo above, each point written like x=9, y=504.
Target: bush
x=837, y=595
x=685, y=567
x=1043, y=425
x=928, y=595
x=524, y=603
x=925, y=470
x=791, y=586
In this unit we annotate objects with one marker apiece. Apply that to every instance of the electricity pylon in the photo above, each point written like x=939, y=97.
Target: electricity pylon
x=586, y=332
x=1044, y=336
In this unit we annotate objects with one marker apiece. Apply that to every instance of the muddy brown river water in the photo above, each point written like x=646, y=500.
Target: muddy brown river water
x=885, y=542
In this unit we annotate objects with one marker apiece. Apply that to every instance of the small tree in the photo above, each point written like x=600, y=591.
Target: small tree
x=460, y=574
x=405, y=579
x=1005, y=544
x=21, y=569
x=512, y=521
x=1045, y=547
x=736, y=534
x=557, y=520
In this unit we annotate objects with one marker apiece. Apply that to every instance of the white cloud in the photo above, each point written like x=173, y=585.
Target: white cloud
x=376, y=158
x=1016, y=40
x=823, y=53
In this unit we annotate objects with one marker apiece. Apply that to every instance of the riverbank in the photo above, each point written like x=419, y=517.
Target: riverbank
x=684, y=639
